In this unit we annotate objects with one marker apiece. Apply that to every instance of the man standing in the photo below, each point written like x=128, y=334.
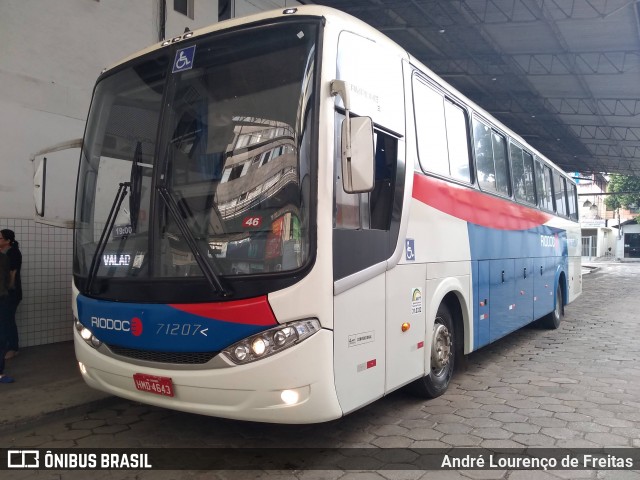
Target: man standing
x=9, y=247
x=5, y=309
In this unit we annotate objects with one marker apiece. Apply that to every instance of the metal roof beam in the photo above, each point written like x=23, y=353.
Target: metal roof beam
x=582, y=63
x=494, y=12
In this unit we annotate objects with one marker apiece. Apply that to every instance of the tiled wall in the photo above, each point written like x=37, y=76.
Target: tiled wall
x=44, y=315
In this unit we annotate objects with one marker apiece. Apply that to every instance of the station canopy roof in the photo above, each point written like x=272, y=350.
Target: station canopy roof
x=564, y=74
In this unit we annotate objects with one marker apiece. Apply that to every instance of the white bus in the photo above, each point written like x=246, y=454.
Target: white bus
x=284, y=217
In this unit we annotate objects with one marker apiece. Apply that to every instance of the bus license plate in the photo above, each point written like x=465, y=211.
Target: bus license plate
x=153, y=384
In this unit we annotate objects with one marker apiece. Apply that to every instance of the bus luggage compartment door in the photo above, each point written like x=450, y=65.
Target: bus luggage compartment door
x=544, y=286
x=524, y=276
x=359, y=331
x=405, y=330
x=502, y=289
x=483, y=305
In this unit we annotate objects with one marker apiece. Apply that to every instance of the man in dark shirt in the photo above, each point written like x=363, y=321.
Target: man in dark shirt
x=5, y=312
x=9, y=246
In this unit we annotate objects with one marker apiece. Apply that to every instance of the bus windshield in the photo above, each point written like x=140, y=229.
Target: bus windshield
x=210, y=141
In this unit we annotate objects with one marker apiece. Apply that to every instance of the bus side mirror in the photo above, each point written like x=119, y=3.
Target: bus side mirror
x=38, y=186
x=53, y=197
x=357, y=155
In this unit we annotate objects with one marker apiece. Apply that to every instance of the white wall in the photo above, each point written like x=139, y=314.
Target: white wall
x=606, y=240
x=51, y=54
x=247, y=7
x=610, y=241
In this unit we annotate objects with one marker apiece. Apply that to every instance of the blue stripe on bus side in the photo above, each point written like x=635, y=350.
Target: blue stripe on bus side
x=542, y=241
x=506, y=295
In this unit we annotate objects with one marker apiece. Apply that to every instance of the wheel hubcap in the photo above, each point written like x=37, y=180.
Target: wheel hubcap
x=440, y=348
x=558, y=310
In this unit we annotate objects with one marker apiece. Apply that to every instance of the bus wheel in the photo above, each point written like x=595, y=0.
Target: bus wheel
x=443, y=354
x=553, y=319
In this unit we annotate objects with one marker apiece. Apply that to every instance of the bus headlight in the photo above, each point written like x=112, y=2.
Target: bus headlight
x=241, y=352
x=259, y=346
x=78, y=325
x=86, y=334
x=269, y=342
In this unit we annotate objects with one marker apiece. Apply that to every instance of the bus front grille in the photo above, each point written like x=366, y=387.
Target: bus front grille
x=180, y=358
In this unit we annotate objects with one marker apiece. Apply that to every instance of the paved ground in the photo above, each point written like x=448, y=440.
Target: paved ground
x=48, y=384
x=578, y=386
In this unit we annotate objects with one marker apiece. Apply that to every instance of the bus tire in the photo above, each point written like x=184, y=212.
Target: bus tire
x=552, y=320
x=443, y=356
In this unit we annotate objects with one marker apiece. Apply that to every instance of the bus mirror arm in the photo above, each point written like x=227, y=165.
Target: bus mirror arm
x=341, y=89
x=357, y=145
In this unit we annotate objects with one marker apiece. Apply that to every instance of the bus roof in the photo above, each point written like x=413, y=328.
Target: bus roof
x=308, y=10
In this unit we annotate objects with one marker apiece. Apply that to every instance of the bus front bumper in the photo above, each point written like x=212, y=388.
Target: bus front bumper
x=249, y=392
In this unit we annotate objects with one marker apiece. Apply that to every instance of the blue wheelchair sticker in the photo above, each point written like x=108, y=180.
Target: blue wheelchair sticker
x=184, y=59
x=410, y=249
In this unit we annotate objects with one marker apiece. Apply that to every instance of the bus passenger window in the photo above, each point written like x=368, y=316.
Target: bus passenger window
x=381, y=198
x=539, y=180
x=442, y=133
x=530, y=194
x=523, y=181
x=457, y=141
x=491, y=159
x=484, y=156
x=548, y=203
x=559, y=194
x=573, y=198
x=543, y=187
x=431, y=130
x=501, y=160
x=517, y=168
x=563, y=184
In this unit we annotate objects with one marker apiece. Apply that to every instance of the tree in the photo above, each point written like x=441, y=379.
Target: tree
x=623, y=183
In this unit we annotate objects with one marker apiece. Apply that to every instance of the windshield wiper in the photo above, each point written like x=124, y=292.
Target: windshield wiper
x=102, y=243
x=135, y=182
x=213, y=278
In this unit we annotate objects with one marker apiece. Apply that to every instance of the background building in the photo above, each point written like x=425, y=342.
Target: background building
x=598, y=239
x=603, y=229
x=51, y=55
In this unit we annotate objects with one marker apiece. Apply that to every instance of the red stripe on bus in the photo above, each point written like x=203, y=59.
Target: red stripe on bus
x=252, y=311
x=474, y=206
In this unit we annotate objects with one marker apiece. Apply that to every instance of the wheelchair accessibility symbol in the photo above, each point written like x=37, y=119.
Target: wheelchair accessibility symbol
x=410, y=249
x=184, y=59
